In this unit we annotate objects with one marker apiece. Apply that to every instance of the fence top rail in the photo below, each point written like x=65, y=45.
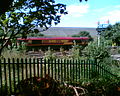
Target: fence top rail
x=41, y=60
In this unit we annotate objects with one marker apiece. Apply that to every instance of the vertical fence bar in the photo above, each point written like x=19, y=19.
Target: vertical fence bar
x=18, y=73
x=1, y=77
x=38, y=68
x=79, y=64
x=99, y=70
x=9, y=68
x=89, y=68
x=26, y=68
x=84, y=63
x=61, y=69
x=67, y=70
x=5, y=74
x=14, y=77
x=30, y=67
x=22, y=68
x=93, y=66
x=34, y=68
x=70, y=70
x=76, y=69
x=45, y=67
x=81, y=69
x=52, y=69
x=96, y=65
x=102, y=70
x=41, y=66
x=73, y=70
x=48, y=67
x=64, y=66
x=55, y=69
x=58, y=69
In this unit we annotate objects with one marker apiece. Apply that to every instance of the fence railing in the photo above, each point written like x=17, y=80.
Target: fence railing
x=12, y=71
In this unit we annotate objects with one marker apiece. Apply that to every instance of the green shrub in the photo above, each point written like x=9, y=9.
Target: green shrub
x=49, y=54
x=47, y=86
x=102, y=87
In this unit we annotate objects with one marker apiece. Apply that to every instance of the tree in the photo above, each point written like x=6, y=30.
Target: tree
x=6, y=4
x=112, y=33
x=83, y=34
x=25, y=15
x=99, y=53
x=36, y=35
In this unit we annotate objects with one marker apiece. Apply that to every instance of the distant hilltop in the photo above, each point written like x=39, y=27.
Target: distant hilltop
x=68, y=31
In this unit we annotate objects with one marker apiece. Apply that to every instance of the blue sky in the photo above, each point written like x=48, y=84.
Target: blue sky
x=87, y=14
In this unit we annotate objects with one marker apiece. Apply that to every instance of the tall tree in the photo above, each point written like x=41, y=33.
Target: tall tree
x=5, y=5
x=25, y=15
x=83, y=34
x=113, y=33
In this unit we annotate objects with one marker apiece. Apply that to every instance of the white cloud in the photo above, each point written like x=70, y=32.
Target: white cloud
x=112, y=16
x=117, y=6
x=77, y=10
x=74, y=12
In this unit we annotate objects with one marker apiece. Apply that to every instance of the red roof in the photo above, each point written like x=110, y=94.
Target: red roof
x=53, y=38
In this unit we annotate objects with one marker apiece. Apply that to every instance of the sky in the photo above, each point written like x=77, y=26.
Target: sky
x=87, y=14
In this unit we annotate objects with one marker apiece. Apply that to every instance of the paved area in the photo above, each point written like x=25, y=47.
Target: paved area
x=116, y=56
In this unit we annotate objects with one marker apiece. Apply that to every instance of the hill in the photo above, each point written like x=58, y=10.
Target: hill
x=68, y=31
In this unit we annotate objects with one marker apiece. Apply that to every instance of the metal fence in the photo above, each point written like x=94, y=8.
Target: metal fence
x=12, y=71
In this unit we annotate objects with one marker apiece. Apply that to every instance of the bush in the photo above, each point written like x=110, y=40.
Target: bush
x=102, y=87
x=49, y=54
x=47, y=86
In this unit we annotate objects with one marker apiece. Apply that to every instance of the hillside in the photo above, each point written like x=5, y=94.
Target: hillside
x=68, y=31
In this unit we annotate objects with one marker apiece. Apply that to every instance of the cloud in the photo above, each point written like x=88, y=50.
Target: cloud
x=112, y=16
x=117, y=6
x=77, y=10
x=111, y=13
x=74, y=12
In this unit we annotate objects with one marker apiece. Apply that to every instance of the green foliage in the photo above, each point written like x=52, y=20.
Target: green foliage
x=115, y=67
x=49, y=54
x=83, y=34
x=102, y=87
x=26, y=15
x=47, y=86
x=13, y=53
x=5, y=5
x=75, y=52
x=103, y=56
x=112, y=33
x=96, y=52
x=45, y=11
x=35, y=35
